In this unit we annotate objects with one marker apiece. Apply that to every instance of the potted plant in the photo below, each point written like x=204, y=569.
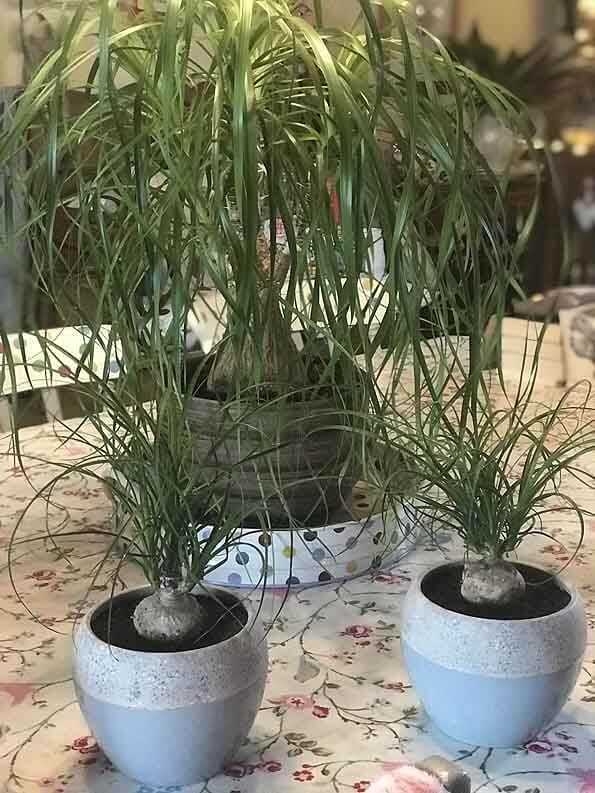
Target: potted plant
x=493, y=646
x=169, y=676
x=235, y=150
x=213, y=126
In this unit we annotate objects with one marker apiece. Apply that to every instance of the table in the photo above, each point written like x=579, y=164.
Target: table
x=338, y=705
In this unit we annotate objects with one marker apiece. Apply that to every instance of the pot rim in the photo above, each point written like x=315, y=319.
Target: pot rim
x=572, y=591
x=270, y=404
x=85, y=623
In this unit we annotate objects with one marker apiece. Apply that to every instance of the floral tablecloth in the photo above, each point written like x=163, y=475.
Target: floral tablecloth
x=338, y=707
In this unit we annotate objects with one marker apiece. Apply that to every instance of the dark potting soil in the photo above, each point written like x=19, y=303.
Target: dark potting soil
x=543, y=595
x=226, y=617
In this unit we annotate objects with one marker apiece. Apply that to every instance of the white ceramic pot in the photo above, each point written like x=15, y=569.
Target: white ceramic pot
x=170, y=718
x=491, y=682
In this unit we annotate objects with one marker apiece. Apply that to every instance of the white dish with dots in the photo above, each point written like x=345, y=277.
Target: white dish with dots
x=306, y=557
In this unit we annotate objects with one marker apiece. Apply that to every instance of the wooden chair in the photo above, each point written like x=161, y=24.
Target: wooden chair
x=49, y=361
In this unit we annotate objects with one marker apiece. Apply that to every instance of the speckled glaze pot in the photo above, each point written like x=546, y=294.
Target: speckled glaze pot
x=491, y=682
x=170, y=718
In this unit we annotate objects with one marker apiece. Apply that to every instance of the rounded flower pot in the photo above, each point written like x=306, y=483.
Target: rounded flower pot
x=284, y=458
x=489, y=681
x=170, y=718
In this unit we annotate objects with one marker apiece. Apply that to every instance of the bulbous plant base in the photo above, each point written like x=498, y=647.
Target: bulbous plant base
x=170, y=718
x=168, y=615
x=492, y=583
x=491, y=681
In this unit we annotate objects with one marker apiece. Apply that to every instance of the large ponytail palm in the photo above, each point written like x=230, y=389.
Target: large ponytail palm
x=212, y=126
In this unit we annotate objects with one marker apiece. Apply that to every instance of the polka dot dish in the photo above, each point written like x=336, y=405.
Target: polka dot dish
x=311, y=557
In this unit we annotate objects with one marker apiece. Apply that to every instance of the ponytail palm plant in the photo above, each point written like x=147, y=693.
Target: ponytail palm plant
x=493, y=472
x=214, y=131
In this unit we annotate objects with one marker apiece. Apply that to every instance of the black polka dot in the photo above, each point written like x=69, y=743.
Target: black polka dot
x=324, y=577
x=310, y=536
x=377, y=537
x=376, y=561
x=339, y=529
x=292, y=580
x=242, y=558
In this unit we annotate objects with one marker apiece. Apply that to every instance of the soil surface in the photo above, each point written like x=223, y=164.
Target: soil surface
x=543, y=595
x=225, y=617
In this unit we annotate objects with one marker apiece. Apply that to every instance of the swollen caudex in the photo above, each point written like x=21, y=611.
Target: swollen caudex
x=491, y=583
x=168, y=614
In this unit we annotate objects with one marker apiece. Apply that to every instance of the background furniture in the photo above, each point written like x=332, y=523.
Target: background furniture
x=48, y=362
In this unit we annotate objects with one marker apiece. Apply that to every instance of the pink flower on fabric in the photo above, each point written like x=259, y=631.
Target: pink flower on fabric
x=272, y=766
x=294, y=701
x=406, y=779
x=85, y=745
x=18, y=692
x=587, y=777
x=304, y=775
x=320, y=711
x=540, y=746
x=43, y=575
x=357, y=631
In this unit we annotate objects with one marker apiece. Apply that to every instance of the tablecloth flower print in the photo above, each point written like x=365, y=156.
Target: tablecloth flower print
x=338, y=709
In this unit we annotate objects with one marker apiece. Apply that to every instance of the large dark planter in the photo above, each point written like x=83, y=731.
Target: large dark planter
x=286, y=458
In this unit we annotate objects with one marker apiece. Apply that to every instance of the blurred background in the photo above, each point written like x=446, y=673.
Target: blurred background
x=541, y=50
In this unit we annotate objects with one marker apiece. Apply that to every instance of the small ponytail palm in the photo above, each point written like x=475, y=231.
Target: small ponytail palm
x=211, y=127
x=491, y=477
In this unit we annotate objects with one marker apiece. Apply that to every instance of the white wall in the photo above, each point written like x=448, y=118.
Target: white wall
x=339, y=13
x=11, y=61
x=507, y=24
